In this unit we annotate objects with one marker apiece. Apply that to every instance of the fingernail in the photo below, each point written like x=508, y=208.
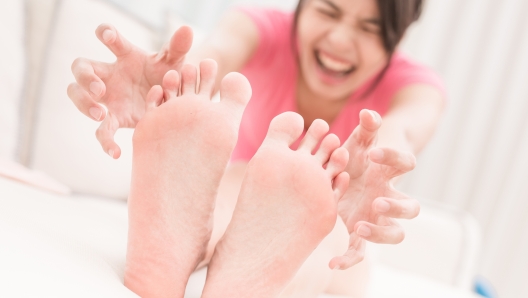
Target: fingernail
x=111, y=153
x=96, y=113
x=363, y=231
x=336, y=267
x=376, y=153
x=374, y=116
x=382, y=206
x=96, y=88
x=108, y=35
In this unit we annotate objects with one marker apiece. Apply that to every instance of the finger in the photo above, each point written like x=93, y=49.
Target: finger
x=171, y=85
x=402, y=161
x=392, y=233
x=369, y=123
x=407, y=208
x=154, y=98
x=354, y=254
x=85, y=103
x=208, y=70
x=180, y=43
x=113, y=40
x=89, y=75
x=105, y=135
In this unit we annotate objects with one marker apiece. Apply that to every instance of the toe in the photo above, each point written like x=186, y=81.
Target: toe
x=313, y=136
x=235, y=90
x=188, y=78
x=328, y=145
x=154, y=98
x=340, y=185
x=208, y=69
x=171, y=85
x=337, y=163
x=286, y=127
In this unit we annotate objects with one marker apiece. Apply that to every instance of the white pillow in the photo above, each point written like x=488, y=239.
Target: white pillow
x=12, y=65
x=65, y=143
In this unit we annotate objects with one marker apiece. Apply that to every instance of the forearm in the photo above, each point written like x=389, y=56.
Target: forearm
x=412, y=120
x=231, y=44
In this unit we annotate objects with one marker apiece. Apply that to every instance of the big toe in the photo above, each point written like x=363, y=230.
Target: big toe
x=208, y=70
x=286, y=127
x=235, y=90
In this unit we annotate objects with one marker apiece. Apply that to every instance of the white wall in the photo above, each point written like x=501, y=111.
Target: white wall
x=12, y=70
x=478, y=159
x=202, y=13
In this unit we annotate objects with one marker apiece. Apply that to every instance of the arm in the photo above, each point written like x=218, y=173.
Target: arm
x=231, y=44
x=412, y=118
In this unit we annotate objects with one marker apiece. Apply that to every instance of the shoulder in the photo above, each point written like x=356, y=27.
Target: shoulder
x=274, y=28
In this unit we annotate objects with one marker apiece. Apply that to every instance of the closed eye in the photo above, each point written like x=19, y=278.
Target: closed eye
x=328, y=13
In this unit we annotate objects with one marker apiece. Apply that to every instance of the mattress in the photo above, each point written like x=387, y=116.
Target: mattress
x=54, y=245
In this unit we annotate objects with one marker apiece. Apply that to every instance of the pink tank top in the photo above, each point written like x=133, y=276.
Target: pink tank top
x=272, y=72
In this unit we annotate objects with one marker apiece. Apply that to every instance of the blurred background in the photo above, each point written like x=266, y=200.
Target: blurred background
x=477, y=161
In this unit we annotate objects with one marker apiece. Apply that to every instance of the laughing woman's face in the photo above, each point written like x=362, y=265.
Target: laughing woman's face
x=340, y=45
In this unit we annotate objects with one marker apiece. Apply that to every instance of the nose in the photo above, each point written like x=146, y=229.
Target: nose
x=342, y=37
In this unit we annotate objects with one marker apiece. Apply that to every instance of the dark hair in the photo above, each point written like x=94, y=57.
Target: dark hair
x=395, y=17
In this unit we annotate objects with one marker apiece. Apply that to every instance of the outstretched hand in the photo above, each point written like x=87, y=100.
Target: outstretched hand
x=371, y=203
x=122, y=86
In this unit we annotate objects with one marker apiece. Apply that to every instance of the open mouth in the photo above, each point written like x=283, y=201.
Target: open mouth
x=332, y=66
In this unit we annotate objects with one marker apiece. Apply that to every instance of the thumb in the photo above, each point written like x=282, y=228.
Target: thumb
x=180, y=43
x=354, y=254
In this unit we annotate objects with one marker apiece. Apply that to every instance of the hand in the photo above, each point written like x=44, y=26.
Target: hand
x=371, y=203
x=122, y=86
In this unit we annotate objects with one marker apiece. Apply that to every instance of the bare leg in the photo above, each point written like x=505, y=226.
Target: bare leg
x=181, y=150
x=287, y=205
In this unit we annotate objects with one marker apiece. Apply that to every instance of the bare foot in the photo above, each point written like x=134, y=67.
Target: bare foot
x=181, y=150
x=287, y=205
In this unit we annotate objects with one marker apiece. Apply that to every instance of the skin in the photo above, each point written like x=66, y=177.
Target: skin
x=346, y=30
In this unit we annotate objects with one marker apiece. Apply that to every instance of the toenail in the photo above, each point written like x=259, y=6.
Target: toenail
x=382, y=206
x=377, y=154
x=363, y=231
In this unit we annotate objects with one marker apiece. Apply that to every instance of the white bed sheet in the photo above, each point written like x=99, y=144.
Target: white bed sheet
x=74, y=246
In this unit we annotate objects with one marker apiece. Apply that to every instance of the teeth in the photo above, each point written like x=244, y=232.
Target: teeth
x=333, y=64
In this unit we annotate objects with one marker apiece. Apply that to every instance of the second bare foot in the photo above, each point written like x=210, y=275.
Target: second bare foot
x=287, y=205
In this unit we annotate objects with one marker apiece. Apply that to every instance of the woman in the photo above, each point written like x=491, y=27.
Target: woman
x=329, y=60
